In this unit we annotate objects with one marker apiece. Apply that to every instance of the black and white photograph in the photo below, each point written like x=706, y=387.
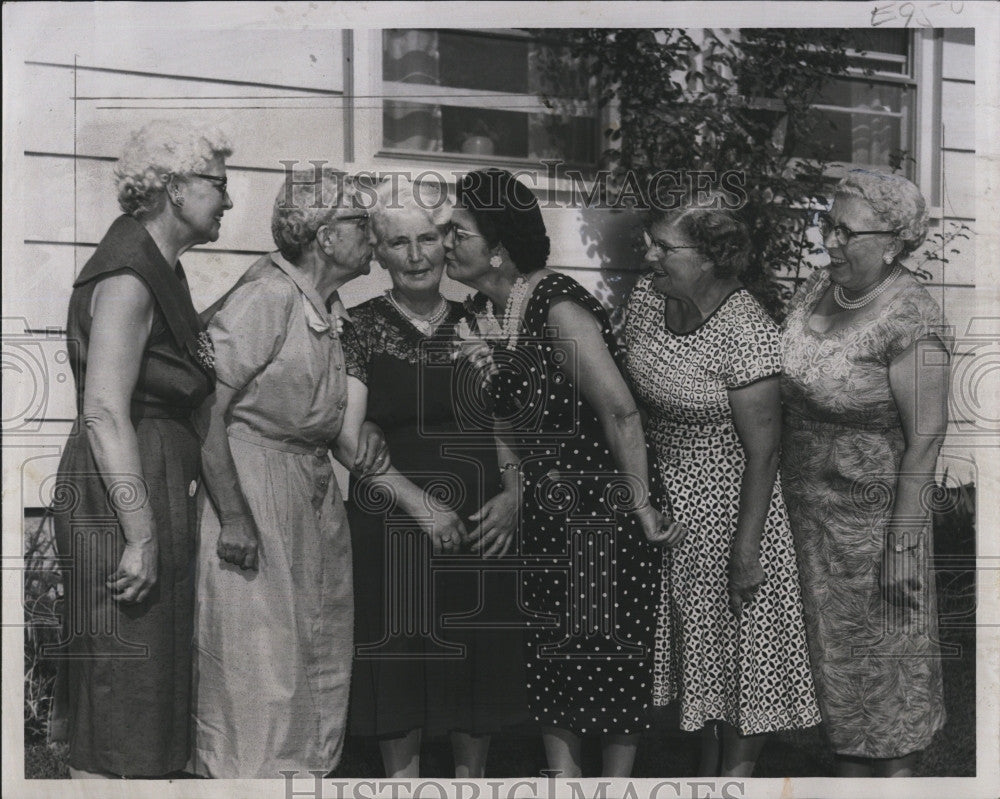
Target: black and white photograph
x=501, y=400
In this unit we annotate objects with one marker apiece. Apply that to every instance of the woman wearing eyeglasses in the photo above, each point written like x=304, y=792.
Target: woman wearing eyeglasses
x=274, y=618
x=124, y=500
x=704, y=360
x=865, y=384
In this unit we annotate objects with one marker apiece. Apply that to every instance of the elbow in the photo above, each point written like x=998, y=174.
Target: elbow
x=101, y=421
x=764, y=457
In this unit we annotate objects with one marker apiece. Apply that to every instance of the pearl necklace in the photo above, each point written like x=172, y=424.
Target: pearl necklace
x=852, y=305
x=512, y=312
x=423, y=324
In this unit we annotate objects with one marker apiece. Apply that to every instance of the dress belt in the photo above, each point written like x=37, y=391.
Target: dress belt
x=798, y=422
x=298, y=448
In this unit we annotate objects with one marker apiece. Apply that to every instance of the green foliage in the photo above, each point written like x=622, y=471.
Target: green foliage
x=738, y=101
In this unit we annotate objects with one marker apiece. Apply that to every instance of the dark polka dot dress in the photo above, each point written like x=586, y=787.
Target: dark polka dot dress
x=593, y=581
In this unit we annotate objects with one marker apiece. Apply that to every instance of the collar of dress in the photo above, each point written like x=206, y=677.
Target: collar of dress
x=316, y=314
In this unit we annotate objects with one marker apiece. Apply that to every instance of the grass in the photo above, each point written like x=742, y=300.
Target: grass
x=664, y=751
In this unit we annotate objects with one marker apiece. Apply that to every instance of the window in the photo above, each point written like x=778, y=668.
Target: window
x=868, y=119
x=500, y=94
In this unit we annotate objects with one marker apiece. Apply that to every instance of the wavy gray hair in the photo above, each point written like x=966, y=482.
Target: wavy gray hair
x=399, y=195
x=895, y=200
x=161, y=149
x=307, y=200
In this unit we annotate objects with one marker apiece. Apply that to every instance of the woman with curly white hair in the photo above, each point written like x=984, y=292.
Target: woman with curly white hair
x=124, y=503
x=274, y=616
x=463, y=681
x=865, y=386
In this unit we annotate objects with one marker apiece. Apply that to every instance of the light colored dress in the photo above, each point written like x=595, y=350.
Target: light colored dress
x=752, y=672
x=273, y=647
x=879, y=686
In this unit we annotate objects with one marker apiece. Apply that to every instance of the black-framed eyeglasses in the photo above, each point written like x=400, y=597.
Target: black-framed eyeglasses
x=842, y=233
x=220, y=183
x=662, y=246
x=360, y=219
x=461, y=234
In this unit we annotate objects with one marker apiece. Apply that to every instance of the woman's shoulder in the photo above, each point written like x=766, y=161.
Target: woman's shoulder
x=743, y=307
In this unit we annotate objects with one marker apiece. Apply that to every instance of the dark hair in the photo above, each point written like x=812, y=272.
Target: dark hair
x=506, y=212
x=718, y=234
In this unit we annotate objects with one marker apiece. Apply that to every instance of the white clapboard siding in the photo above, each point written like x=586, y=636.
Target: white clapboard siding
x=958, y=54
x=958, y=120
x=959, y=187
x=303, y=58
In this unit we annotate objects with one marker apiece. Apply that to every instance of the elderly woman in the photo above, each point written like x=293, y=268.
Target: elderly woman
x=865, y=385
x=145, y=366
x=586, y=513
x=274, y=622
x=405, y=687
x=704, y=359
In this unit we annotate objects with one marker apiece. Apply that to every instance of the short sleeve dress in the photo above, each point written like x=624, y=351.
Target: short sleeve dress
x=438, y=647
x=752, y=672
x=124, y=680
x=273, y=646
x=879, y=687
x=590, y=576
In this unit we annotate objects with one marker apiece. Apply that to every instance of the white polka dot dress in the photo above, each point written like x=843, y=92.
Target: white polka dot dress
x=753, y=672
x=594, y=585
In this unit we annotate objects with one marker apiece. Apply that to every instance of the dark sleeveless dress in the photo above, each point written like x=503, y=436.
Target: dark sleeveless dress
x=125, y=670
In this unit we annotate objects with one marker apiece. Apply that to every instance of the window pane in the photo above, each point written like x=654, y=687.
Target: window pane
x=538, y=106
x=486, y=63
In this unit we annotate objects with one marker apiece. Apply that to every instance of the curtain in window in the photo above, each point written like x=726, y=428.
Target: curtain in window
x=411, y=56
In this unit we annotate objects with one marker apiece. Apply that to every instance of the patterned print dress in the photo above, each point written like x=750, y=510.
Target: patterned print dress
x=591, y=575
x=879, y=686
x=753, y=672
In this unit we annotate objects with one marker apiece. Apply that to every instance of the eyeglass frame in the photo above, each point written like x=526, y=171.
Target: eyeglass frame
x=461, y=234
x=822, y=219
x=662, y=246
x=219, y=182
x=354, y=217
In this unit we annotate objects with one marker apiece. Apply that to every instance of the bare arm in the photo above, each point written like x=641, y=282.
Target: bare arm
x=360, y=446
x=122, y=311
x=918, y=379
x=593, y=370
x=756, y=413
x=497, y=520
x=238, y=537
x=444, y=527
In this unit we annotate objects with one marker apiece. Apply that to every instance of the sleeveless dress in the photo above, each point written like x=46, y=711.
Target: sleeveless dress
x=125, y=670
x=437, y=645
x=590, y=576
x=752, y=672
x=879, y=686
x=273, y=646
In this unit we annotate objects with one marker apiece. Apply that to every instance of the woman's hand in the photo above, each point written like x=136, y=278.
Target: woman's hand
x=372, y=455
x=446, y=531
x=899, y=578
x=497, y=522
x=479, y=355
x=660, y=528
x=745, y=576
x=239, y=542
x=136, y=572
